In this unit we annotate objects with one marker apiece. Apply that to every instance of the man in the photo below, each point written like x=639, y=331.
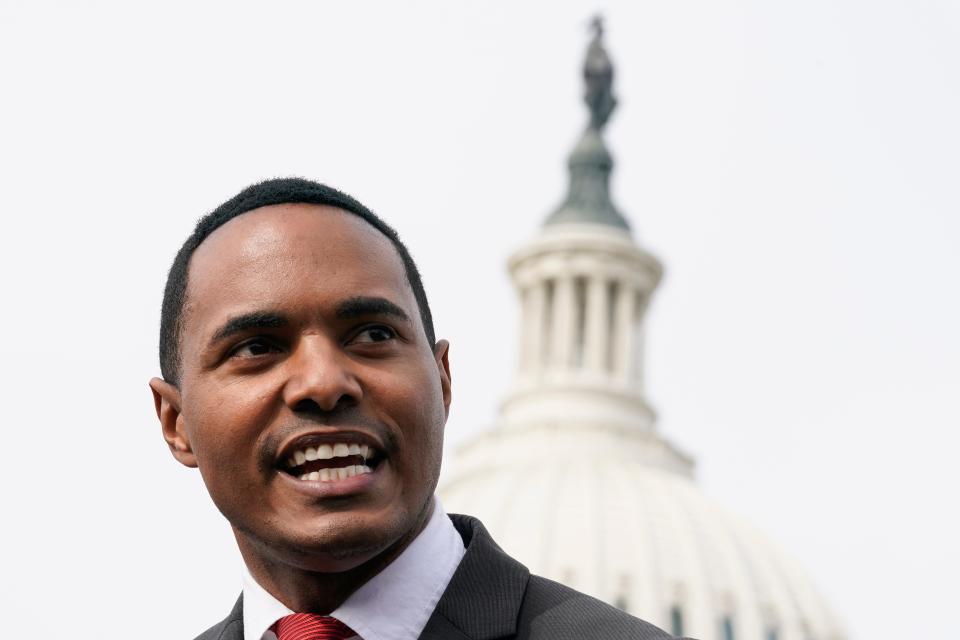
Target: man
x=301, y=375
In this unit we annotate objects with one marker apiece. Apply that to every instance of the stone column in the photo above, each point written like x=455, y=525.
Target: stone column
x=564, y=317
x=523, y=352
x=595, y=344
x=639, y=341
x=623, y=336
x=534, y=324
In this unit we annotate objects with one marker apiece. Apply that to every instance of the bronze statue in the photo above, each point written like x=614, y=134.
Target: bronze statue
x=598, y=75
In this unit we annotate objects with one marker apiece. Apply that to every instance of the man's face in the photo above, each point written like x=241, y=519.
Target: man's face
x=301, y=335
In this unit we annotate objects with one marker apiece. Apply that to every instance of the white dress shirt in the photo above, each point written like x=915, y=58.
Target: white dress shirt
x=394, y=605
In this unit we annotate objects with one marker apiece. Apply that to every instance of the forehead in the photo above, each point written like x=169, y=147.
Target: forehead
x=292, y=254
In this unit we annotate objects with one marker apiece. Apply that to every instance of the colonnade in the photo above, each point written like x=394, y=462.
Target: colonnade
x=588, y=322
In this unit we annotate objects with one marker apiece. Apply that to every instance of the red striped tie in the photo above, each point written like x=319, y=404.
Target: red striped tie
x=310, y=626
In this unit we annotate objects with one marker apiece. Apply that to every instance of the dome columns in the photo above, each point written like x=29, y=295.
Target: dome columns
x=583, y=292
x=583, y=299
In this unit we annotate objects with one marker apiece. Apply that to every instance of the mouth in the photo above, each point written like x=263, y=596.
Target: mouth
x=330, y=461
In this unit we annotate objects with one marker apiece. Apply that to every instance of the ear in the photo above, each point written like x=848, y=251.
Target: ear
x=441, y=354
x=166, y=399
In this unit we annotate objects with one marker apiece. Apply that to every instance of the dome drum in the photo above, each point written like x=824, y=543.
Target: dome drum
x=583, y=290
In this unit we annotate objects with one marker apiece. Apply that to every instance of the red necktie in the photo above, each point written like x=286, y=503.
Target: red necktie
x=310, y=626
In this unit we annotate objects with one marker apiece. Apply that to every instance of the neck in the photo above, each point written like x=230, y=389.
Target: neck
x=305, y=590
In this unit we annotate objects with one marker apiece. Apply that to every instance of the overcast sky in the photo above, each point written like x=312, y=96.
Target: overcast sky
x=794, y=165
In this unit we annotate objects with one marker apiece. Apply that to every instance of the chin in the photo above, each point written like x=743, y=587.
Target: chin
x=339, y=543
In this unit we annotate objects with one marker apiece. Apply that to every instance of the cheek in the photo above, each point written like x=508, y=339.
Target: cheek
x=421, y=424
x=229, y=420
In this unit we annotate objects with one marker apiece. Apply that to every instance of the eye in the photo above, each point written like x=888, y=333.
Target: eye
x=253, y=348
x=376, y=333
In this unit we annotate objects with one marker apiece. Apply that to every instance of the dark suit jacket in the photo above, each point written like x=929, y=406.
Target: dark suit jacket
x=493, y=597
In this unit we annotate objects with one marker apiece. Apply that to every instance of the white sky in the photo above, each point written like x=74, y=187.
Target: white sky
x=793, y=164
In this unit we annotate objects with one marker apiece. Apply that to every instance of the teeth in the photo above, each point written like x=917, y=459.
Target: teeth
x=328, y=451
x=325, y=452
x=337, y=473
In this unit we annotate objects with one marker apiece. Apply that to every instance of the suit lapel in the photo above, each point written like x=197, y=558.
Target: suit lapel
x=230, y=628
x=482, y=601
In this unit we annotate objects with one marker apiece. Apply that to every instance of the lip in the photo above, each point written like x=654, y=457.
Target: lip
x=334, y=488
x=326, y=436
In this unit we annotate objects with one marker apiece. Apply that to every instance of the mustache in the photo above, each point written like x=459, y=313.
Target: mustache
x=346, y=417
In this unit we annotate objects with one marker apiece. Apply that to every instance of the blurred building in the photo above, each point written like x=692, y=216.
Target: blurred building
x=574, y=480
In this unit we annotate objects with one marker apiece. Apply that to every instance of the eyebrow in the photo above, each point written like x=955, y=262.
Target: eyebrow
x=369, y=306
x=351, y=308
x=248, y=321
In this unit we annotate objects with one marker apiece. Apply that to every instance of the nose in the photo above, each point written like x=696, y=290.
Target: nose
x=320, y=377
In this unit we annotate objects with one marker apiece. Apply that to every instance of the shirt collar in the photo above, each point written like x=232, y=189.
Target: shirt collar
x=394, y=605
x=260, y=609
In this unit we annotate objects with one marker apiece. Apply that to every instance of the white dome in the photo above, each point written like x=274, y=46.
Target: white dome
x=574, y=480
x=587, y=511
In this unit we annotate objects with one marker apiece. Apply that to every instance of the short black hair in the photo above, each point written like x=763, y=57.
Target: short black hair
x=263, y=194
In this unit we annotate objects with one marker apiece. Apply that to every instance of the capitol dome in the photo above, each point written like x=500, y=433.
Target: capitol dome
x=594, y=509
x=574, y=479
